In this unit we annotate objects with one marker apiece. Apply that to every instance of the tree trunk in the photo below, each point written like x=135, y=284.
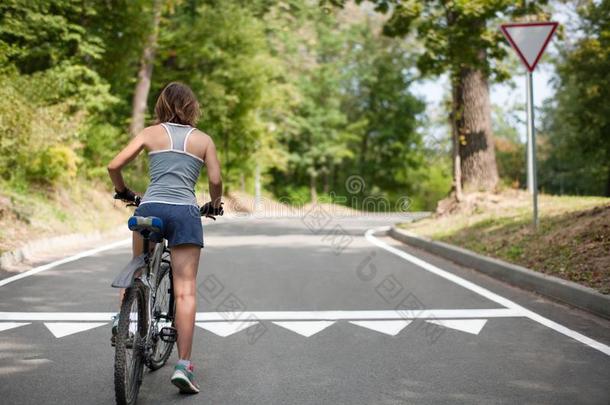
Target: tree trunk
x=140, y=95
x=326, y=188
x=457, y=169
x=312, y=188
x=242, y=182
x=472, y=129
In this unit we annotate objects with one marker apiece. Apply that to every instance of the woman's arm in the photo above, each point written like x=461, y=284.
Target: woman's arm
x=214, y=177
x=125, y=156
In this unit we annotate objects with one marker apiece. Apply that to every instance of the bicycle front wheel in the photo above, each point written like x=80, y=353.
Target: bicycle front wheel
x=130, y=345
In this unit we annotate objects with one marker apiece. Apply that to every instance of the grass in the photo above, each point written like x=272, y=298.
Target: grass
x=572, y=241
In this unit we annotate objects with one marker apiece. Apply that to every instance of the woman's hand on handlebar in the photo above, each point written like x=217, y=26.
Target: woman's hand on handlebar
x=127, y=196
x=209, y=211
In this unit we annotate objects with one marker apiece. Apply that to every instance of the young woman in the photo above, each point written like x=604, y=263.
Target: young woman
x=177, y=152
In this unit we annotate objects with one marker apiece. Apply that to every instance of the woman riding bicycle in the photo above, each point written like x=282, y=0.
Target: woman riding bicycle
x=177, y=152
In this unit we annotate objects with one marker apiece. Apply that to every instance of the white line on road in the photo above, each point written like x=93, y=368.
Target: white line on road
x=369, y=235
x=56, y=263
x=283, y=315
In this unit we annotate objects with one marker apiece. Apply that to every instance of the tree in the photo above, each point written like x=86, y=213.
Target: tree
x=142, y=89
x=49, y=88
x=460, y=39
x=577, y=129
x=383, y=112
x=219, y=49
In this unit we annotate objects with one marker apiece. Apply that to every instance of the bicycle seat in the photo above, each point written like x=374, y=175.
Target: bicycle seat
x=145, y=224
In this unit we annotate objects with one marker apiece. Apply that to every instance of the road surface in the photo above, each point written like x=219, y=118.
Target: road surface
x=310, y=311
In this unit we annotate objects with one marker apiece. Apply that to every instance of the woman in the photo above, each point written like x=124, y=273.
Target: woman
x=177, y=152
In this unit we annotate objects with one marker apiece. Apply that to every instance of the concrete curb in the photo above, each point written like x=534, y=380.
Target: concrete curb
x=45, y=246
x=562, y=290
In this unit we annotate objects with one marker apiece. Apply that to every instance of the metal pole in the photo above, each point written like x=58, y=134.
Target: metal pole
x=532, y=184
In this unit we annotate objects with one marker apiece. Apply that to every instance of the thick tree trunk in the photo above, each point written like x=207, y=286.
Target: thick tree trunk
x=140, y=95
x=471, y=117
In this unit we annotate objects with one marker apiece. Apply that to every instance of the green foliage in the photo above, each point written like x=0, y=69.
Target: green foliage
x=221, y=52
x=47, y=90
x=352, y=113
x=38, y=35
x=455, y=33
x=431, y=183
x=510, y=151
x=576, y=137
x=300, y=92
x=53, y=166
x=101, y=141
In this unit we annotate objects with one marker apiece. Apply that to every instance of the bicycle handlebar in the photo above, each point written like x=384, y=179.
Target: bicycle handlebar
x=206, y=210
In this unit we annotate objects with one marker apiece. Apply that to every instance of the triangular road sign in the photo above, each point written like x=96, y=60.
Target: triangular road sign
x=529, y=40
x=61, y=329
x=473, y=326
x=224, y=328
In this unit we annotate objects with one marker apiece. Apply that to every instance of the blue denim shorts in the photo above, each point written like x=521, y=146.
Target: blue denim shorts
x=181, y=223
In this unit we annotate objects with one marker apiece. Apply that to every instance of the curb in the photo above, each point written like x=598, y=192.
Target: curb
x=29, y=251
x=553, y=287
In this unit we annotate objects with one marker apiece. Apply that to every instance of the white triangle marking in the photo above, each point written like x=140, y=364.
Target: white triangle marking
x=391, y=328
x=61, y=329
x=11, y=325
x=225, y=329
x=473, y=326
x=305, y=328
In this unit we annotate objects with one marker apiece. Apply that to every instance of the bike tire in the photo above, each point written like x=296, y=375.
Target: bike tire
x=162, y=350
x=127, y=382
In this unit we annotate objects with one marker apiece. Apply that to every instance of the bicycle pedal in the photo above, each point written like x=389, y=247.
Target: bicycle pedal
x=168, y=334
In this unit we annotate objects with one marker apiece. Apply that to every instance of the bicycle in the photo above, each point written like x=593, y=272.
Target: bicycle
x=146, y=332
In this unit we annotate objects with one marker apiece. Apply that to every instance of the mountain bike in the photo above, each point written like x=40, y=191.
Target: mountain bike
x=146, y=332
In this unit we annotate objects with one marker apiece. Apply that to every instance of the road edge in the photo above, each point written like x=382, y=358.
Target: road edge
x=552, y=287
x=48, y=245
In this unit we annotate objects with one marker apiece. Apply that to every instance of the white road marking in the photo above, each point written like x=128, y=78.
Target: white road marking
x=225, y=329
x=391, y=328
x=473, y=326
x=305, y=328
x=61, y=329
x=485, y=292
x=284, y=315
x=56, y=316
x=11, y=325
x=56, y=263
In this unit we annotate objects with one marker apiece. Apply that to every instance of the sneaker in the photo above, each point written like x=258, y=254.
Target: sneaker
x=183, y=379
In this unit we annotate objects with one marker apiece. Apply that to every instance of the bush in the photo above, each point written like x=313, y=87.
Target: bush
x=54, y=165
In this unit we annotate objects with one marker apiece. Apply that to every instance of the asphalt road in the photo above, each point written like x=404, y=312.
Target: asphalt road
x=325, y=315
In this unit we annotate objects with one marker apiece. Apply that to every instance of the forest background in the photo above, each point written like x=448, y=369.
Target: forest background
x=299, y=96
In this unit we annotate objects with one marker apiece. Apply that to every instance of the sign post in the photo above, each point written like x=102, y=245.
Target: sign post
x=529, y=40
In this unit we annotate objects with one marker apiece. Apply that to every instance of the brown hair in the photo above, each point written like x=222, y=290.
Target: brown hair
x=177, y=103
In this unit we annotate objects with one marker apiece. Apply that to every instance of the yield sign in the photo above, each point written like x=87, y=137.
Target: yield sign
x=529, y=40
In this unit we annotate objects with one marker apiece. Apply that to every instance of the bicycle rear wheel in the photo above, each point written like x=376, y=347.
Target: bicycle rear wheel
x=163, y=316
x=130, y=343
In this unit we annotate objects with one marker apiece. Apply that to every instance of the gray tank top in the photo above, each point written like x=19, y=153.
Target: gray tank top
x=173, y=171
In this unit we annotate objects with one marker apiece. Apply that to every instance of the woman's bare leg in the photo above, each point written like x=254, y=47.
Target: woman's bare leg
x=185, y=261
